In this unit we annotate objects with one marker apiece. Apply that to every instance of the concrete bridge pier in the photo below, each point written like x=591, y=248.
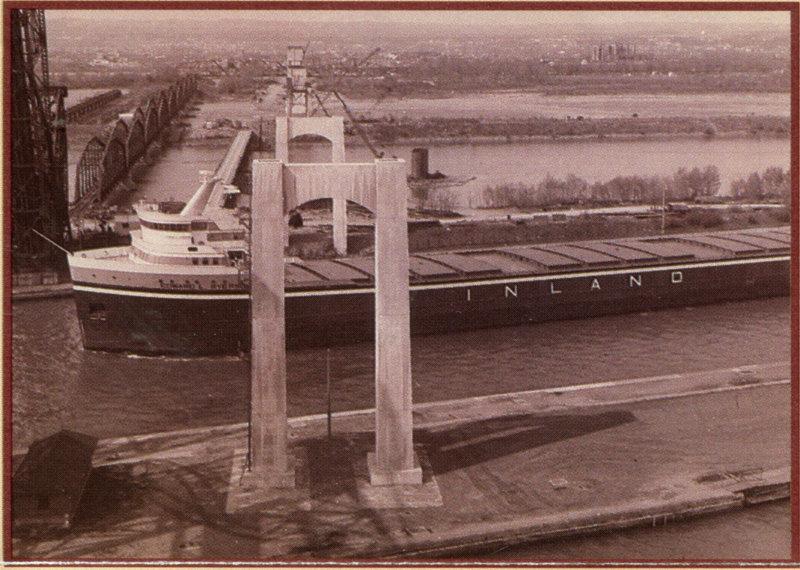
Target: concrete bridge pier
x=340, y=226
x=394, y=462
x=269, y=458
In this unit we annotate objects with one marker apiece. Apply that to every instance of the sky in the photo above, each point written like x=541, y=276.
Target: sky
x=500, y=18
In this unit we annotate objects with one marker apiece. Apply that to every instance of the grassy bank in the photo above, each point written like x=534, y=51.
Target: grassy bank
x=393, y=131
x=615, y=79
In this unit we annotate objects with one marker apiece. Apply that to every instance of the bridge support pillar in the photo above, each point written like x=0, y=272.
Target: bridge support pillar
x=394, y=462
x=340, y=226
x=269, y=460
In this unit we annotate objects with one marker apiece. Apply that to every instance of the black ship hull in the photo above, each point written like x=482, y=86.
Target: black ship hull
x=187, y=323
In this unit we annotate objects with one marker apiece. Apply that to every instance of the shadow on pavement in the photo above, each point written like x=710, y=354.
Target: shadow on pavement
x=127, y=504
x=480, y=441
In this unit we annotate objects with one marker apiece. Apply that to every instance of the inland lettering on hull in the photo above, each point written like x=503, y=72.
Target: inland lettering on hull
x=633, y=280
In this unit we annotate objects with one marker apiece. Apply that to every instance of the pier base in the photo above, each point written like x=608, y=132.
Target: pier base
x=281, y=479
x=407, y=489
x=249, y=488
x=381, y=477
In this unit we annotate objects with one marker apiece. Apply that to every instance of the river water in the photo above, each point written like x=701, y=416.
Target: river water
x=597, y=161
x=176, y=174
x=57, y=384
x=493, y=164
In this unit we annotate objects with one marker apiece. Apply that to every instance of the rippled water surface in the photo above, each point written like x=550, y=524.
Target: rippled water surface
x=58, y=384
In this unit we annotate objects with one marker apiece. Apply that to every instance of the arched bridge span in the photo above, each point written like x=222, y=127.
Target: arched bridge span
x=106, y=160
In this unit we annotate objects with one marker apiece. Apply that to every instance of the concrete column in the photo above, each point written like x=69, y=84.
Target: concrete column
x=340, y=226
x=282, y=139
x=335, y=133
x=393, y=462
x=269, y=460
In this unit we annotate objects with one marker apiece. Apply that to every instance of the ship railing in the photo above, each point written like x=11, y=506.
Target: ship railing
x=147, y=206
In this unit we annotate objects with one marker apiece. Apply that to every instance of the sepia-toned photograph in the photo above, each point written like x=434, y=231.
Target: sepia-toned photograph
x=454, y=284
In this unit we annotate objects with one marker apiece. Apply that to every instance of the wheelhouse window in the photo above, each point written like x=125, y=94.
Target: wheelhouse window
x=171, y=227
x=226, y=236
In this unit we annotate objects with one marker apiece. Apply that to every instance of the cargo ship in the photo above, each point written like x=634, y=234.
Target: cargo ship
x=182, y=286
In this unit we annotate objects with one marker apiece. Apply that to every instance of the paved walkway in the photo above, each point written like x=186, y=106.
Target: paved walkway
x=26, y=292
x=497, y=470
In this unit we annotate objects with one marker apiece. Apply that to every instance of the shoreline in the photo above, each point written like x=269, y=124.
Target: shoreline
x=541, y=139
x=580, y=91
x=356, y=141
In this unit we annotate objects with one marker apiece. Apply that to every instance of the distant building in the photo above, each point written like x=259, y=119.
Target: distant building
x=613, y=52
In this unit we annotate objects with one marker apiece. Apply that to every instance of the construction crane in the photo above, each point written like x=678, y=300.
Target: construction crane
x=39, y=187
x=332, y=89
x=359, y=129
x=297, y=84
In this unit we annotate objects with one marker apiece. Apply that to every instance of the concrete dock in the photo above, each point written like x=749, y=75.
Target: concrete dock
x=51, y=291
x=497, y=470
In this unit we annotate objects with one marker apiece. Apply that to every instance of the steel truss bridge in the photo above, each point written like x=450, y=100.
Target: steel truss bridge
x=87, y=106
x=106, y=161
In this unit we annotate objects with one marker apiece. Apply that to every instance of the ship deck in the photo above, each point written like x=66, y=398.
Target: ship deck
x=545, y=259
x=508, y=262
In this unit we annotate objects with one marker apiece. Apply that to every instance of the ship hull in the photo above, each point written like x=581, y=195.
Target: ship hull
x=185, y=323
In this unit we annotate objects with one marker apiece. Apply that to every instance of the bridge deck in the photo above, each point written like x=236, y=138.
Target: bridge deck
x=230, y=164
x=226, y=171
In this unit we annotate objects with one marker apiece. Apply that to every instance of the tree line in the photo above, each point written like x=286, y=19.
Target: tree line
x=773, y=184
x=684, y=185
